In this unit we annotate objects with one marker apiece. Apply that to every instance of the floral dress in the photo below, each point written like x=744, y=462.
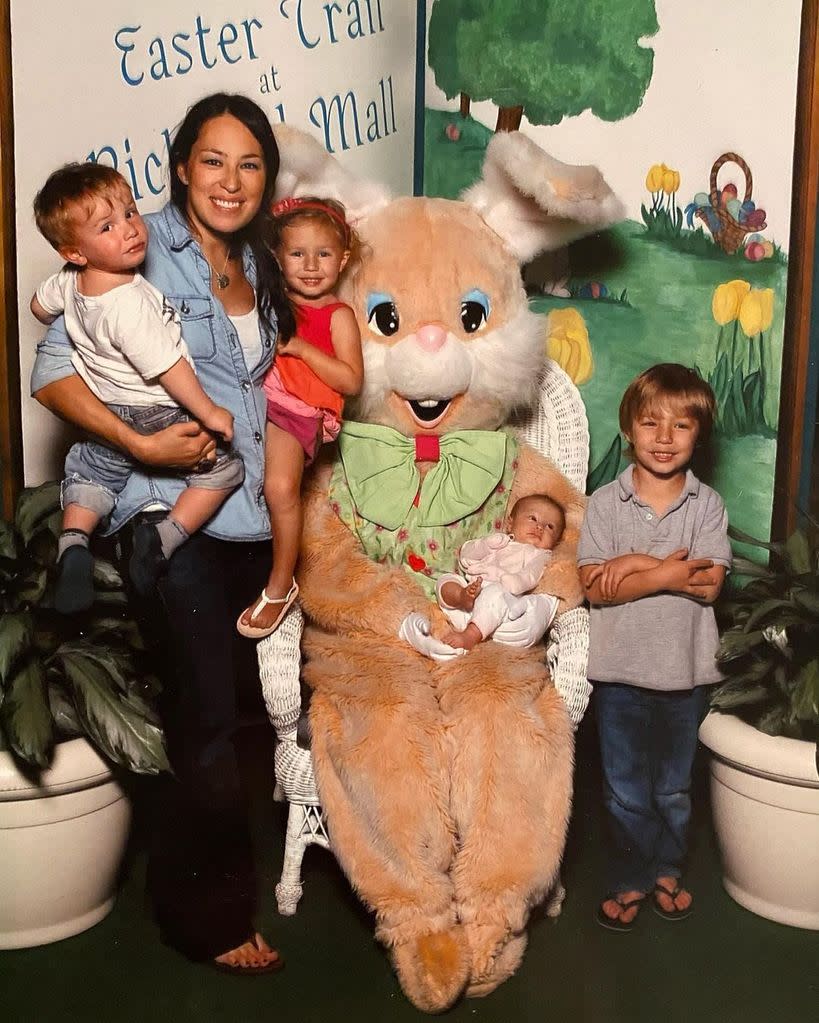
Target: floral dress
x=426, y=552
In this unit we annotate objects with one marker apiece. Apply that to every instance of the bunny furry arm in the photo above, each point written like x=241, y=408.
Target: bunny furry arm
x=342, y=590
x=537, y=475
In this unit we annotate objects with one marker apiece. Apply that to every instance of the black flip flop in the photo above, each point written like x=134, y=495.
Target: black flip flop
x=670, y=914
x=615, y=923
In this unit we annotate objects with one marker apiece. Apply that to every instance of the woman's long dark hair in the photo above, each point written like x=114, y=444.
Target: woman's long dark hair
x=270, y=292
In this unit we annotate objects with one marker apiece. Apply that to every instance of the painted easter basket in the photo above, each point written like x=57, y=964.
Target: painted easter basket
x=730, y=234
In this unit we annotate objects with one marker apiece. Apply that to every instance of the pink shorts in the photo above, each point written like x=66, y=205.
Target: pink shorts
x=306, y=429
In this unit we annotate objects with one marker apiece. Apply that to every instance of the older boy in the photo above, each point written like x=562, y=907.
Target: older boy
x=653, y=554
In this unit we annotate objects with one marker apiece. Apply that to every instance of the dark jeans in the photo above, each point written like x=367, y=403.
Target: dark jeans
x=200, y=874
x=647, y=744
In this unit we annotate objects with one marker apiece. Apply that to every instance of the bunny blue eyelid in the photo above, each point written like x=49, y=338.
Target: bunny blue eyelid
x=476, y=295
x=376, y=298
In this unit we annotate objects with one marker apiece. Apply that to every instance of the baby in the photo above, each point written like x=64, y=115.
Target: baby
x=499, y=568
x=128, y=348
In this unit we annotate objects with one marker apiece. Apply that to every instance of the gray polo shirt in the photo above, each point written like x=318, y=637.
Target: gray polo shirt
x=665, y=641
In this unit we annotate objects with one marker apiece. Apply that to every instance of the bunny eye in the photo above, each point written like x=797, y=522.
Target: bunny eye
x=474, y=310
x=382, y=316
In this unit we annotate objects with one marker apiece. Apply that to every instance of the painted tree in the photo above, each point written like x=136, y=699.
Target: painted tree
x=551, y=58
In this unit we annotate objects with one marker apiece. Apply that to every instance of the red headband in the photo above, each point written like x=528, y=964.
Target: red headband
x=291, y=204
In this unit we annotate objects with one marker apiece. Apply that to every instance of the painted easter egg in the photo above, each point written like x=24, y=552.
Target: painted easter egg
x=702, y=199
x=733, y=206
x=754, y=251
x=768, y=248
x=593, y=289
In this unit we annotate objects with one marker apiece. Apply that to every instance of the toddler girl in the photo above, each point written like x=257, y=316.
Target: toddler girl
x=306, y=385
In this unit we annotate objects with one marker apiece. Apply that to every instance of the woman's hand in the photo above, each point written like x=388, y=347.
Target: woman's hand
x=181, y=446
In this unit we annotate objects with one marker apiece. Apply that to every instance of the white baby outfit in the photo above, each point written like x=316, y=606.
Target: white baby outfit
x=509, y=569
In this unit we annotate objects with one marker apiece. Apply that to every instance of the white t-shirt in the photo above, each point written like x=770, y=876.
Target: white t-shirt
x=123, y=340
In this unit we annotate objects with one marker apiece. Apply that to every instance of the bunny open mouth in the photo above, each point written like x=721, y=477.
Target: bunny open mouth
x=429, y=411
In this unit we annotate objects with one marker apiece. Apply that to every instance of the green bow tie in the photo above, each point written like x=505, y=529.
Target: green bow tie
x=379, y=464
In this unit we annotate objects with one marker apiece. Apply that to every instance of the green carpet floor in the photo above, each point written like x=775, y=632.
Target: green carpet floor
x=723, y=964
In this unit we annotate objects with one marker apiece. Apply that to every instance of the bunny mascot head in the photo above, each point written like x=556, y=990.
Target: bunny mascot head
x=446, y=779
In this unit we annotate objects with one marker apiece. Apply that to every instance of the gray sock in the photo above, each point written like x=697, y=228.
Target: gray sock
x=71, y=538
x=171, y=535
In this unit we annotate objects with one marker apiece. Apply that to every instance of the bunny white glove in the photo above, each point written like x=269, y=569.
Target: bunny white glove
x=529, y=628
x=415, y=630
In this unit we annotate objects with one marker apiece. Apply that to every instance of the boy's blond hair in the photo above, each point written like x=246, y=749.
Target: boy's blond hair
x=669, y=383
x=69, y=189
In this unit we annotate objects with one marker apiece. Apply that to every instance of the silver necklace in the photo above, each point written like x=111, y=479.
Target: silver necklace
x=222, y=279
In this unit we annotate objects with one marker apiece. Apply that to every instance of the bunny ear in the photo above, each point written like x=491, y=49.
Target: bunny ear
x=536, y=203
x=306, y=168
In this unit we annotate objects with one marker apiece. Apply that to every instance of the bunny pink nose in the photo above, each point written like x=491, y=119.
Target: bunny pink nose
x=431, y=337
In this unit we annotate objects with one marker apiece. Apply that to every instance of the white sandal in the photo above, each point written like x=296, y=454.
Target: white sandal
x=255, y=632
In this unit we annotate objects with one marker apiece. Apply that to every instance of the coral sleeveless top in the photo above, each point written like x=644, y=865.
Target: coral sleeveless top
x=313, y=325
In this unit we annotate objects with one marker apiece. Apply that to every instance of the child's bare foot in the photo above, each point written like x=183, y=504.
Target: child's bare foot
x=254, y=956
x=465, y=640
x=619, y=911
x=461, y=597
x=266, y=613
x=671, y=900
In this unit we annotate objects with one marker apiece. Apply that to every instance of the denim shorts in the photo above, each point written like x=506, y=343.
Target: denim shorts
x=95, y=473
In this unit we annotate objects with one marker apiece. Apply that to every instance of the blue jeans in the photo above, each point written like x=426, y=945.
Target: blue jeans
x=647, y=744
x=95, y=474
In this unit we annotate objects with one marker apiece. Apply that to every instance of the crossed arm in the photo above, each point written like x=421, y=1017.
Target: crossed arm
x=632, y=576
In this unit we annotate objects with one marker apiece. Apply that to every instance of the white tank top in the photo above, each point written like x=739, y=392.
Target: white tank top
x=250, y=338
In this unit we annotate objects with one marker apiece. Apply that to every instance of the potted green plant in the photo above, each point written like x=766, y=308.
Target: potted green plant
x=763, y=729
x=75, y=707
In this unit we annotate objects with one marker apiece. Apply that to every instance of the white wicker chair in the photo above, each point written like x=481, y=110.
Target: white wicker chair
x=558, y=428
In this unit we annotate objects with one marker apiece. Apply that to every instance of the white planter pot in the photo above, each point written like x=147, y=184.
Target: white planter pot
x=765, y=800
x=61, y=844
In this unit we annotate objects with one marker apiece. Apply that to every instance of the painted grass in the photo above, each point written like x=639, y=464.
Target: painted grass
x=667, y=318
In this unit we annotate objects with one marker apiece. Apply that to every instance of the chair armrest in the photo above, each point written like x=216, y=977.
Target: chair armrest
x=557, y=426
x=567, y=655
x=279, y=668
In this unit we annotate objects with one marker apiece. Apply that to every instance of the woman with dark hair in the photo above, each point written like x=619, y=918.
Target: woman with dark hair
x=207, y=254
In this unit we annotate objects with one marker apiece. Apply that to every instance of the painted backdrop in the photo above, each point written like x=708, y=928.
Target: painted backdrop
x=109, y=82
x=688, y=109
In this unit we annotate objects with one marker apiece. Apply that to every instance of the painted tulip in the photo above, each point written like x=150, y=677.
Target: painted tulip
x=654, y=178
x=727, y=299
x=568, y=344
x=756, y=310
x=671, y=181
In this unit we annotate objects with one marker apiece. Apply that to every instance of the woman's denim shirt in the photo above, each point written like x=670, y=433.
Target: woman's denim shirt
x=175, y=265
